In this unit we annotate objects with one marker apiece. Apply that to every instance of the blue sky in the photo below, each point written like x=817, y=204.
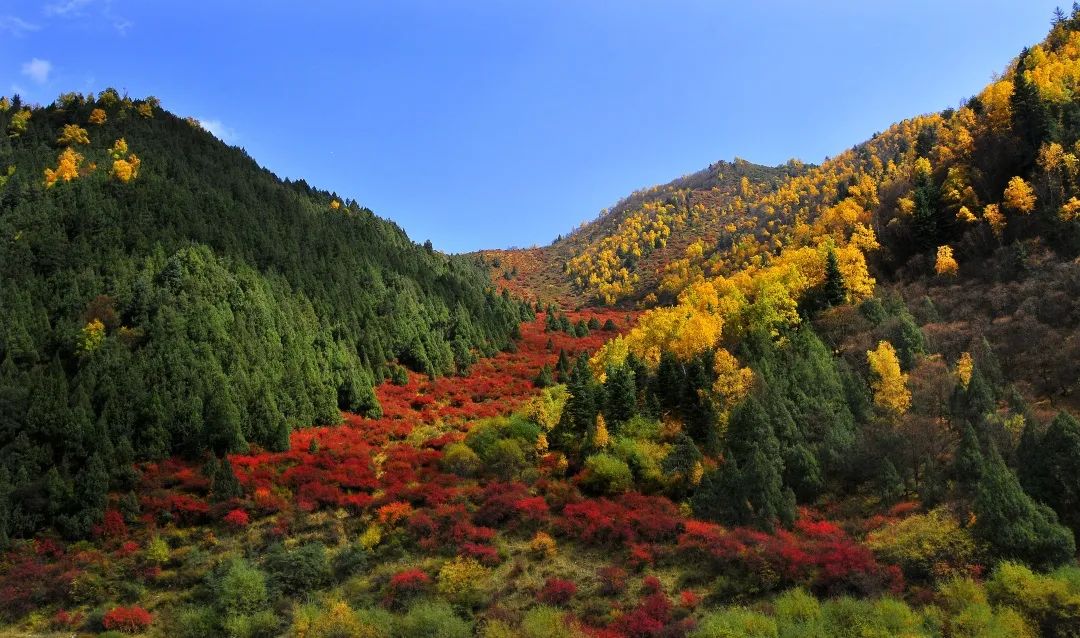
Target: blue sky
x=504, y=123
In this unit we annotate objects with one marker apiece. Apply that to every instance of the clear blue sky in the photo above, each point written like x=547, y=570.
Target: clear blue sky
x=498, y=123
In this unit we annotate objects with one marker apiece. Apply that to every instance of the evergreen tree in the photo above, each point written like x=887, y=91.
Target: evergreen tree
x=1030, y=117
x=223, y=483
x=562, y=367
x=1012, y=525
x=1051, y=473
x=620, y=396
x=834, y=291
x=544, y=378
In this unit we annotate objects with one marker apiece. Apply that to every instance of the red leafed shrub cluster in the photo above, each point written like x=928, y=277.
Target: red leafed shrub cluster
x=630, y=518
x=111, y=526
x=816, y=554
x=612, y=580
x=127, y=619
x=237, y=519
x=38, y=574
x=408, y=582
x=557, y=591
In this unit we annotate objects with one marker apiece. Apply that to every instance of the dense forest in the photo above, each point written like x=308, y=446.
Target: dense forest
x=164, y=294
x=802, y=401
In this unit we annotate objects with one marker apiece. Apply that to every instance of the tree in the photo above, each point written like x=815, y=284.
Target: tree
x=1014, y=526
x=98, y=117
x=620, y=395
x=1050, y=475
x=67, y=167
x=73, y=134
x=1019, y=196
x=889, y=383
x=224, y=485
x=1030, y=117
x=748, y=489
x=834, y=291
x=945, y=264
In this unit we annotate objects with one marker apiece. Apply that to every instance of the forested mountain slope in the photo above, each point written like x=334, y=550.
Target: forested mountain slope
x=623, y=255
x=162, y=293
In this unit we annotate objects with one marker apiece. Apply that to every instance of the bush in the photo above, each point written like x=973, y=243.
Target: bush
x=1050, y=604
x=606, y=474
x=464, y=581
x=460, y=459
x=338, y=620
x=798, y=613
x=546, y=622
x=263, y=624
x=735, y=623
x=432, y=619
x=130, y=620
x=924, y=542
x=193, y=622
x=239, y=588
x=301, y=570
x=557, y=591
x=543, y=545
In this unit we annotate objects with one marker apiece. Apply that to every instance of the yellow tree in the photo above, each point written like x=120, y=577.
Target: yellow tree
x=126, y=170
x=732, y=382
x=993, y=216
x=1019, y=196
x=945, y=264
x=19, y=120
x=73, y=134
x=889, y=383
x=93, y=335
x=964, y=368
x=98, y=116
x=145, y=110
x=67, y=167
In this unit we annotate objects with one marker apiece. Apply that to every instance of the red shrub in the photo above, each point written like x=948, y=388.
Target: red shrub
x=127, y=619
x=409, y=581
x=111, y=526
x=486, y=554
x=64, y=620
x=652, y=585
x=612, y=580
x=557, y=591
x=237, y=519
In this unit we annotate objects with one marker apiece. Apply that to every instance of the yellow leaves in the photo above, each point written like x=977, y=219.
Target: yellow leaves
x=371, y=537
x=732, y=382
x=889, y=383
x=1070, y=210
x=543, y=545
x=93, y=335
x=906, y=205
x=73, y=134
x=109, y=97
x=119, y=149
x=993, y=216
x=125, y=170
x=5, y=104
x=965, y=215
x=335, y=204
x=145, y=110
x=996, y=105
x=1019, y=196
x=601, y=438
x=945, y=264
x=922, y=168
x=98, y=117
x=18, y=123
x=964, y=368
x=67, y=168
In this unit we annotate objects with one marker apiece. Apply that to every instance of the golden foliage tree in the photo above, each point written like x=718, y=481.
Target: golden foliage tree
x=18, y=123
x=889, y=383
x=73, y=134
x=98, y=117
x=67, y=167
x=1019, y=196
x=965, y=366
x=946, y=263
x=93, y=335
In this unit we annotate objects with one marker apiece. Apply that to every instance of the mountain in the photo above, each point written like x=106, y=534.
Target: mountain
x=623, y=255
x=163, y=294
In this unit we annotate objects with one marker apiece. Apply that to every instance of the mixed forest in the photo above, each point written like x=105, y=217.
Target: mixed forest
x=768, y=402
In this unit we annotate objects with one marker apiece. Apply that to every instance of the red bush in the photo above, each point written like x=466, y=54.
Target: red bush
x=557, y=591
x=410, y=581
x=612, y=580
x=237, y=519
x=127, y=619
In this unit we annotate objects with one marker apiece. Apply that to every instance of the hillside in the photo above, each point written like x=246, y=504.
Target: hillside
x=846, y=406
x=164, y=294
x=623, y=254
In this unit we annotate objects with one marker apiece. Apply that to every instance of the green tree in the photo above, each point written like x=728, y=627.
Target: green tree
x=1050, y=472
x=834, y=291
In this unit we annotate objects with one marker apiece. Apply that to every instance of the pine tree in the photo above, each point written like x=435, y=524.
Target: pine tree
x=223, y=484
x=1050, y=475
x=620, y=396
x=1030, y=117
x=1015, y=527
x=544, y=378
x=834, y=291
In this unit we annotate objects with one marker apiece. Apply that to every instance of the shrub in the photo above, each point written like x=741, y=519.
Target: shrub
x=1048, y=603
x=543, y=545
x=301, y=570
x=157, y=551
x=239, y=588
x=464, y=581
x=193, y=622
x=461, y=460
x=338, y=620
x=921, y=544
x=263, y=624
x=127, y=619
x=546, y=622
x=612, y=580
x=349, y=560
x=557, y=591
x=735, y=623
x=237, y=519
x=607, y=474
x=432, y=619
x=409, y=582
x=798, y=613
